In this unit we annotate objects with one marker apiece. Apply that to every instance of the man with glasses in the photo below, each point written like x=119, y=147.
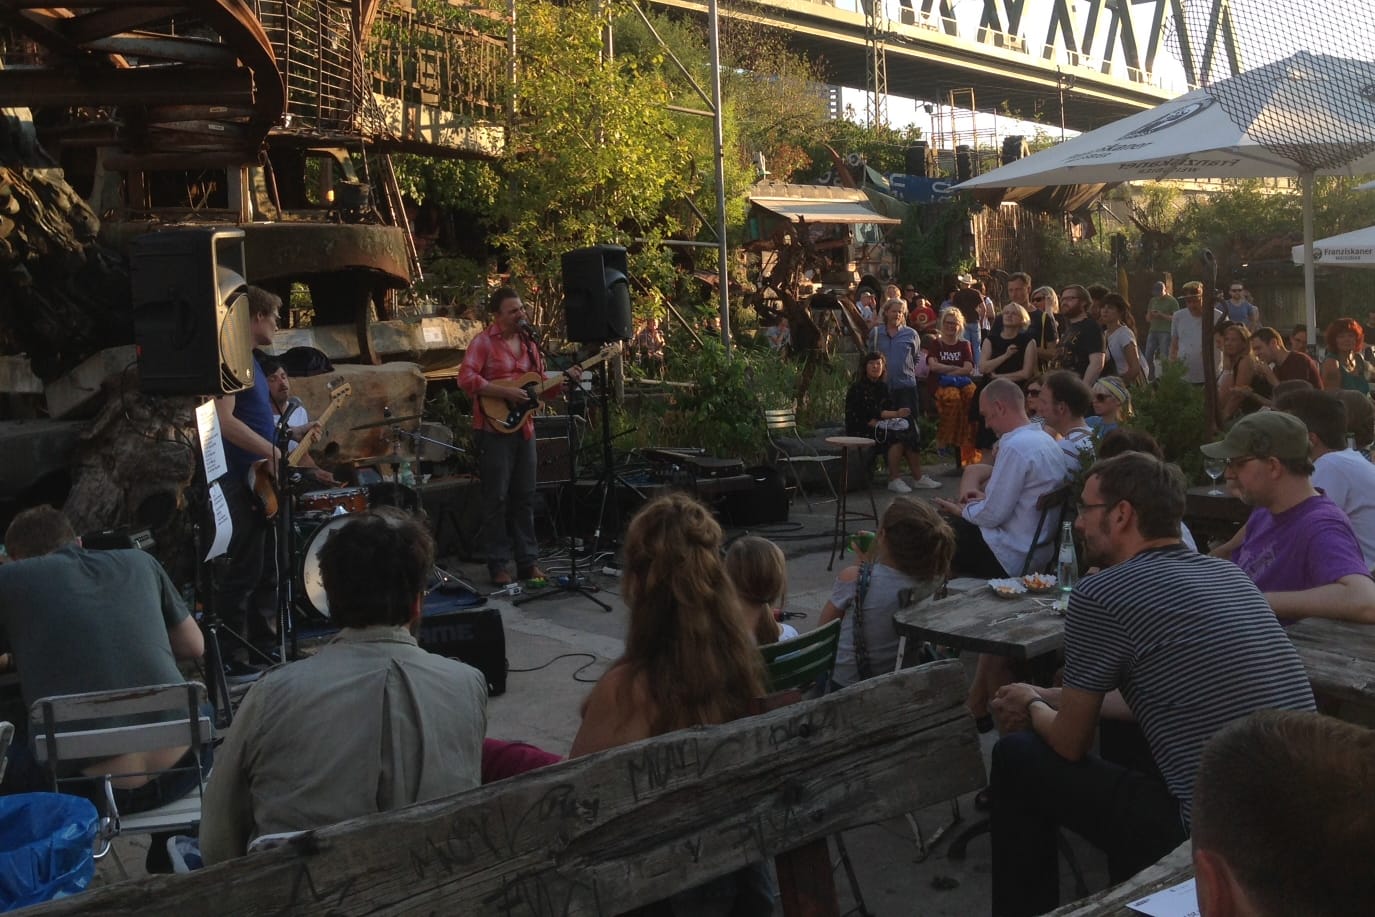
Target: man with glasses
x=1181, y=642
x=1186, y=335
x=1297, y=545
x=1240, y=309
x=1082, y=350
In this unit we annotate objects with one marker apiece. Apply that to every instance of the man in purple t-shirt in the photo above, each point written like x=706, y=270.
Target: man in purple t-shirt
x=1297, y=546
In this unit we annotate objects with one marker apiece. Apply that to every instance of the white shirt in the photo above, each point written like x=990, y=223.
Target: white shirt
x=1187, y=329
x=1029, y=465
x=298, y=418
x=1348, y=479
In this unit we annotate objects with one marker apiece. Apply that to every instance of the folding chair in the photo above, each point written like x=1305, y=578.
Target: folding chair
x=1059, y=505
x=788, y=448
x=70, y=728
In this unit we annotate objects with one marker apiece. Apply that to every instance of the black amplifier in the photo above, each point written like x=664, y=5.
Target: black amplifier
x=449, y=627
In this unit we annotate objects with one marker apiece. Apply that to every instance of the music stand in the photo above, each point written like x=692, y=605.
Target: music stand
x=573, y=582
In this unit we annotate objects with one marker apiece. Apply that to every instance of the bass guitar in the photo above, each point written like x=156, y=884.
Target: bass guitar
x=261, y=479
x=505, y=417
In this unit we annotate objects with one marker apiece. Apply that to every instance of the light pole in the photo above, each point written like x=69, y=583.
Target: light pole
x=1063, y=83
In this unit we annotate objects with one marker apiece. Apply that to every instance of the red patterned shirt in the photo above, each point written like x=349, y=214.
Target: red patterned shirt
x=488, y=359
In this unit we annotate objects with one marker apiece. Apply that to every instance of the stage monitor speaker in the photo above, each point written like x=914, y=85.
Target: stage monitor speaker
x=596, y=295
x=191, y=318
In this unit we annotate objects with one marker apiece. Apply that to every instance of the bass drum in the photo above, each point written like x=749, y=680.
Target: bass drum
x=312, y=591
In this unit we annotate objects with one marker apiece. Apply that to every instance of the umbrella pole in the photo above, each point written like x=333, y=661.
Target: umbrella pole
x=1310, y=292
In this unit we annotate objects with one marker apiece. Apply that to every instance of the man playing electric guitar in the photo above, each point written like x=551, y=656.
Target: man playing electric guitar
x=506, y=462
x=246, y=427
x=299, y=424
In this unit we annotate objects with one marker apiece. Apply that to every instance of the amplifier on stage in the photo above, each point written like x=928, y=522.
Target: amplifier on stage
x=471, y=635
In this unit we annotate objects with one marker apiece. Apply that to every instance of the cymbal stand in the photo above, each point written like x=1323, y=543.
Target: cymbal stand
x=573, y=582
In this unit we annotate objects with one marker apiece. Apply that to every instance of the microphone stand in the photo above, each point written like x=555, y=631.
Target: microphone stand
x=573, y=582
x=286, y=622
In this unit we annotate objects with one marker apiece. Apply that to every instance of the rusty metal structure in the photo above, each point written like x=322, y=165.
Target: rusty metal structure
x=276, y=115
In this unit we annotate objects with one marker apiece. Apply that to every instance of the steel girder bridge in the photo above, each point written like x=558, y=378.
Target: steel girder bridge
x=1095, y=53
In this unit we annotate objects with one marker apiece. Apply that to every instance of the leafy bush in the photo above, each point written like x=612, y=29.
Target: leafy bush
x=1172, y=412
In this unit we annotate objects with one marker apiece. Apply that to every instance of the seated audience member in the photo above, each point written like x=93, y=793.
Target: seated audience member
x=1241, y=387
x=994, y=528
x=689, y=660
x=1343, y=475
x=1360, y=419
x=1127, y=439
x=1297, y=545
x=1112, y=406
x=1345, y=367
x=77, y=620
x=1183, y=641
x=1277, y=831
x=1065, y=401
x=1279, y=364
x=1291, y=385
x=370, y=723
x=1298, y=340
x=871, y=410
x=907, y=564
x=759, y=571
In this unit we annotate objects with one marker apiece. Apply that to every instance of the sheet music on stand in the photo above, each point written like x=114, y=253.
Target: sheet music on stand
x=215, y=466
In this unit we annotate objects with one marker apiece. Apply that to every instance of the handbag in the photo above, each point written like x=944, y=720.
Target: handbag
x=955, y=381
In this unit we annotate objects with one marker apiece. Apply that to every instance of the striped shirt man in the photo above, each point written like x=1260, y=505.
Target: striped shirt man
x=1191, y=643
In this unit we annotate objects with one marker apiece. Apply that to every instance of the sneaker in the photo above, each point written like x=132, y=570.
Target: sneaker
x=899, y=486
x=925, y=482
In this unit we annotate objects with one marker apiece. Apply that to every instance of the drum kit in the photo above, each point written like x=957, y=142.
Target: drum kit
x=318, y=514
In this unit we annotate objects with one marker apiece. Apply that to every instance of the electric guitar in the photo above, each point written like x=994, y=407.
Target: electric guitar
x=505, y=417
x=261, y=480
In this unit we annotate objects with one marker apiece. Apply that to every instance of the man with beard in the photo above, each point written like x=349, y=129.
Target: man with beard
x=1082, y=350
x=1179, y=641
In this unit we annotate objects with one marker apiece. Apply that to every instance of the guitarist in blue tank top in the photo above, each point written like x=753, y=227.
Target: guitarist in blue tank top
x=246, y=426
x=506, y=353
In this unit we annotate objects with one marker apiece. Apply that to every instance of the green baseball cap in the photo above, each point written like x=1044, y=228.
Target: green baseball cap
x=1264, y=434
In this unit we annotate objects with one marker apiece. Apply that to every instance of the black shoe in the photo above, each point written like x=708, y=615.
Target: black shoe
x=240, y=673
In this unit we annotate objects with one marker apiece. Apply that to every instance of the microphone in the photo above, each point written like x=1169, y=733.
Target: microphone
x=528, y=330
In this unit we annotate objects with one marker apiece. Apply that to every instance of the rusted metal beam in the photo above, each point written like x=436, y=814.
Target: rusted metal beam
x=134, y=86
x=198, y=51
x=112, y=21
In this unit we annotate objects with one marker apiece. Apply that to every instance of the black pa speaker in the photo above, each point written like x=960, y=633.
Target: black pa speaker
x=596, y=295
x=964, y=163
x=920, y=159
x=191, y=319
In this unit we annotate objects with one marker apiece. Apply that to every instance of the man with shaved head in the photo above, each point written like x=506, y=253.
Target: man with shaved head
x=995, y=526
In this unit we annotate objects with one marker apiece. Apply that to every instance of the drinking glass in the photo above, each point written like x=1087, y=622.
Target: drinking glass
x=1214, y=468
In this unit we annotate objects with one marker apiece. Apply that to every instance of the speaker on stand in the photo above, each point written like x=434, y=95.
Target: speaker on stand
x=596, y=291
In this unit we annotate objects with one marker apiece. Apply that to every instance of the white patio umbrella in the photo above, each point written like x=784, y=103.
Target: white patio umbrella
x=1306, y=115
x=1350, y=249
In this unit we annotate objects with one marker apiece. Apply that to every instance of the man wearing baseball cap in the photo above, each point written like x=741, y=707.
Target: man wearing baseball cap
x=1297, y=546
x=1186, y=335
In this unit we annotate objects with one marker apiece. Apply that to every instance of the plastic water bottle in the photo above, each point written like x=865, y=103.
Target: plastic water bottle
x=1067, y=567
x=405, y=476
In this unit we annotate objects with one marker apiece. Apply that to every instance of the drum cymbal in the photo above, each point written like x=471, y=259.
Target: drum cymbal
x=385, y=422
x=392, y=459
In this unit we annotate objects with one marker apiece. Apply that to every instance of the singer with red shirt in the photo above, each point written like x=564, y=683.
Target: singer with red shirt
x=506, y=461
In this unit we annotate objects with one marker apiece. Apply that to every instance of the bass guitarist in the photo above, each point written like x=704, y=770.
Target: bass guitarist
x=506, y=350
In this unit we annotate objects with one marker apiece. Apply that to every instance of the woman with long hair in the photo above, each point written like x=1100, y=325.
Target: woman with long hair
x=870, y=410
x=1344, y=367
x=1048, y=301
x=950, y=360
x=689, y=660
x=1241, y=388
x=759, y=571
x=1119, y=332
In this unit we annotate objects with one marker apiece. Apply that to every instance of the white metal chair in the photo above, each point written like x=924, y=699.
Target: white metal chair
x=73, y=727
x=789, y=448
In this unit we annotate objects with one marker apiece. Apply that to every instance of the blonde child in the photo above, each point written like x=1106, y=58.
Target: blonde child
x=759, y=571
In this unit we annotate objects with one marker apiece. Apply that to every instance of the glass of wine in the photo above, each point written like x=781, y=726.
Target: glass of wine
x=1214, y=467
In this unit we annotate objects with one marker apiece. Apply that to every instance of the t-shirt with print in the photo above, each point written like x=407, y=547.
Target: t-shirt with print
x=1306, y=546
x=1078, y=342
x=956, y=354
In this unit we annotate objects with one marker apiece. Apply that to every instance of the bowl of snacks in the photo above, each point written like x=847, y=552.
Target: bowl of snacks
x=1040, y=582
x=1007, y=588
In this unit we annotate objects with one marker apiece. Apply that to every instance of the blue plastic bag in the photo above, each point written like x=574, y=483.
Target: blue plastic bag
x=45, y=847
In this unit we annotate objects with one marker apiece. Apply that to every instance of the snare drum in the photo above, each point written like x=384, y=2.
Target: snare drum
x=351, y=499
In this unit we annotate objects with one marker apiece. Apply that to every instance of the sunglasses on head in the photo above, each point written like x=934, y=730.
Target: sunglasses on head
x=1038, y=298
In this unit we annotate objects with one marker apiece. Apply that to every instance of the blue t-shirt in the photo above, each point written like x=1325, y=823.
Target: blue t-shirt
x=254, y=407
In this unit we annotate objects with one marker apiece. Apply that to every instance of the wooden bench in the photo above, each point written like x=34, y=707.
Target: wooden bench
x=1340, y=659
x=605, y=833
x=1175, y=867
